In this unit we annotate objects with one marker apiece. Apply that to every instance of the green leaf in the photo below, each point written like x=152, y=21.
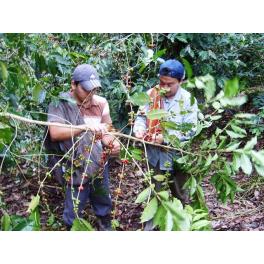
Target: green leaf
x=181, y=218
x=159, y=177
x=158, y=219
x=36, y=92
x=80, y=224
x=232, y=146
x=24, y=225
x=5, y=222
x=21, y=223
x=182, y=39
x=231, y=87
x=200, y=224
x=216, y=117
x=164, y=195
x=250, y=144
x=258, y=157
x=3, y=126
x=168, y=221
x=115, y=224
x=52, y=66
x=235, y=101
x=182, y=160
x=209, y=88
x=236, y=162
x=207, y=83
x=199, y=84
x=142, y=68
x=140, y=99
x=200, y=194
x=175, y=208
x=143, y=195
x=212, y=144
x=245, y=116
x=210, y=159
x=34, y=203
x=238, y=129
x=216, y=105
x=211, y=54
x=78, y=55
x=218, y=131
x=5, y=135
x=3, y=71
x=149, y=210
x=223, y=142
x=169, y=125
x=189, y=51
x=157, y=114
x=158, y=54
x=35, y=218
x=41, y=64
x=203, y=55
x=51, y=220
x=234, y=135
x=259, y=169
x=136, y=153
x=192, y=100
x=188, y=68
x=246, y=164
x=199, y=216
x=193, y=185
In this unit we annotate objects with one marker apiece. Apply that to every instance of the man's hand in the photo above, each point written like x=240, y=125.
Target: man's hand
x=140, y=134
x=112, y=144
x=115, y=148
x=157, y=138
x=96, y=128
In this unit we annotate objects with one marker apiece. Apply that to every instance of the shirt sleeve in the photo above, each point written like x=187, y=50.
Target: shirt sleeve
x=141, y=120
x=191, y=118
x=106, y=118
x=56, y=114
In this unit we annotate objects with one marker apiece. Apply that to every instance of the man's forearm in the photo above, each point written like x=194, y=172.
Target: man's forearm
x=140, y=124
x=63, y=133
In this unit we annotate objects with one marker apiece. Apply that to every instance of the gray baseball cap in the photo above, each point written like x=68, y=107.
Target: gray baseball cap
x=87, y=76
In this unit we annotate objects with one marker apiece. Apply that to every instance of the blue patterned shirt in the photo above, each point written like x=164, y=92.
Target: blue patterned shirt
x=180, y=111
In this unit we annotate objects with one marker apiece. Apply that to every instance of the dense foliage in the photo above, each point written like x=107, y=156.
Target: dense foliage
x=222, y=72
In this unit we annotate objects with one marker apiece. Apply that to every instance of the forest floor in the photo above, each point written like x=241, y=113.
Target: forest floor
x=245, y=213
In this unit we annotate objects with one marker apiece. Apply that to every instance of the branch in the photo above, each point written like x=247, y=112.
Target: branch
x=117, y=134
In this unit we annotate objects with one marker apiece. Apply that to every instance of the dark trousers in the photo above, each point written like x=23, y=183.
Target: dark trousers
x=177, y=180
x=96, y=191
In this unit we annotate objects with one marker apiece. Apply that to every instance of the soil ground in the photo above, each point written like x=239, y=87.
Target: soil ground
x=246, y=213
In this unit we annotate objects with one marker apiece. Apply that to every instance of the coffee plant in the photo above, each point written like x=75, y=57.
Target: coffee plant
x=220, y=69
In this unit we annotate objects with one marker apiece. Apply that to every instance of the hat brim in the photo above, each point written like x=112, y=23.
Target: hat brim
x=90, y=85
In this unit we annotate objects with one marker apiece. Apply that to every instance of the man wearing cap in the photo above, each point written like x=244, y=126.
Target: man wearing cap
x=177, y=102
x=85, y=171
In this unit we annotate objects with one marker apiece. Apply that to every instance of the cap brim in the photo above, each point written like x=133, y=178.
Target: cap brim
x=90, y=85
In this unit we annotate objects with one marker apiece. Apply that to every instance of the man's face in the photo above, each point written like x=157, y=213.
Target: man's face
x=172, y=84
x=81, y=94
